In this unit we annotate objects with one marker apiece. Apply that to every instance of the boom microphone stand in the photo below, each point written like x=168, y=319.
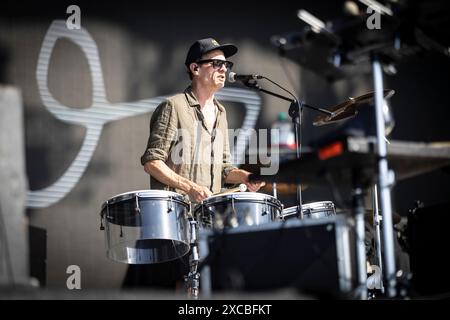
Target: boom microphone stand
x=295, y=112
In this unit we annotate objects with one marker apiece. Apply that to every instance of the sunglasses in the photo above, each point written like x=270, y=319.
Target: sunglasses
x=217, y=64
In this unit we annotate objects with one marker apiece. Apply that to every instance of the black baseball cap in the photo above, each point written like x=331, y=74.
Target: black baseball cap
x=203, y=46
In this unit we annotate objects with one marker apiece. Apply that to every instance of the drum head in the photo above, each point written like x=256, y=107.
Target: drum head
x=152, y=194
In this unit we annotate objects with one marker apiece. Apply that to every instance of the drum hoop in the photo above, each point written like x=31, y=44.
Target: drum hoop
x=240, y=197
x=319, y=205
x=145, y=194
x=312, y=207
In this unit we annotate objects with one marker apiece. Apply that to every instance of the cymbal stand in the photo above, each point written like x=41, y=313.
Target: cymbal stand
x=385, y=180
x=274, y=189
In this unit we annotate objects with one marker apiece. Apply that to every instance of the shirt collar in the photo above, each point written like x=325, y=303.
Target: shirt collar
x=193, y=102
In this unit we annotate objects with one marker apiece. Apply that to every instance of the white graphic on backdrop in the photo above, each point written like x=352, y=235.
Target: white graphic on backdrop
x=102, y=111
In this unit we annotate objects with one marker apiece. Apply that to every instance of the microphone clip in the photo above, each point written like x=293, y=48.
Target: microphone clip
x=251, y=83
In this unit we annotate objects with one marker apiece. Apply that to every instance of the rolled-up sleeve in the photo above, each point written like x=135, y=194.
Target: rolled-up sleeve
x=227, y=166
x=163, y=133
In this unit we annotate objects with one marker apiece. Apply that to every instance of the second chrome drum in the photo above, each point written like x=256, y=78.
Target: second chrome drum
x=238, y=209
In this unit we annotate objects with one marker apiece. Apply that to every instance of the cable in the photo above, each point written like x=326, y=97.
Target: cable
x=273, y=82
x=287, y=73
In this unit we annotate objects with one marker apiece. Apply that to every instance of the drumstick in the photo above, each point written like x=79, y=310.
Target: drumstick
x=242, y=188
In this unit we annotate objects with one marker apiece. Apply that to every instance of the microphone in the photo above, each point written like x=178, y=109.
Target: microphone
x=233, y=77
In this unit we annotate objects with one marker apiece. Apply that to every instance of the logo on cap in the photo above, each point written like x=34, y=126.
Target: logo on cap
x=214, y=42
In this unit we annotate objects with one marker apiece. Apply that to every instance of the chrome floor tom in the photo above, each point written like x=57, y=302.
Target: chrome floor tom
x=146, y=226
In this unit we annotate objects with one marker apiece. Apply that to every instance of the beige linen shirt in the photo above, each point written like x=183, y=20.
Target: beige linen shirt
x=180, y=138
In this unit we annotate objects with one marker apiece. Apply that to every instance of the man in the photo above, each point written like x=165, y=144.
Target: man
x=195, y=121
x=188, y=148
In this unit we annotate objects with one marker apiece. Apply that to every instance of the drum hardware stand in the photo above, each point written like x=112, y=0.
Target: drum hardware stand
x=358, y=214
x=376, y=224
x=295, y=112
x=274, y=189
x=385, y=179
x=192, y=280
x=390, y=37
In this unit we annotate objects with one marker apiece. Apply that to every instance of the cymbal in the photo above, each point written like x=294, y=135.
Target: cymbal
x=349, y=108
x=282, y=188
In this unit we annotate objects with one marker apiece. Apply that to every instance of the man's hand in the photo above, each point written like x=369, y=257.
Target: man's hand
x=198, y=193
x=161, y=172
x=253, y=186
x=241, y=176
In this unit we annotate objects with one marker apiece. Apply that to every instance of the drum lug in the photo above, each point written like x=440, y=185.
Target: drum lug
x=232, y=206
x=280, y=214
x=170, y=209
x=137, y=209
x=266, y=211
x=203, y=213
x=102, y=216
x=308, y=213
x=232, y=220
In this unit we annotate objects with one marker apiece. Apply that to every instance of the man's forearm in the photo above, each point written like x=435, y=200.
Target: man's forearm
x=237, y=176
x=161, y=172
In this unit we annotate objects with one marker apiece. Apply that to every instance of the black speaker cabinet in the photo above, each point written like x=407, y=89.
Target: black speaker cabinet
x=428, y=234
x=311, y=255
x=38, y=254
